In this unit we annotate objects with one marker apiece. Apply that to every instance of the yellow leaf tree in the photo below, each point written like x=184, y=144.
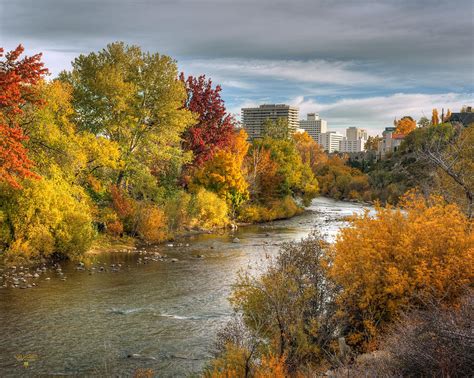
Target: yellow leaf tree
x=434, y=117
x=398, y=258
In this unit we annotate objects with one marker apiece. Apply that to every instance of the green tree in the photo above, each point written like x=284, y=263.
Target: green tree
x=134, y=99
x=278, y=129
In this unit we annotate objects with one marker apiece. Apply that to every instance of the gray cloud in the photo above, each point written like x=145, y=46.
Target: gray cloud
x=328, y=51
x=401, y=32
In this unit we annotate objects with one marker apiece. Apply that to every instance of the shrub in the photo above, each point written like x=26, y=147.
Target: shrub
x=277, y=209
x=436, y=342
x=152, y=224
x=48, y=216
x=209, y=211
x=178, y=210
x=291, y=305
x=400, y=258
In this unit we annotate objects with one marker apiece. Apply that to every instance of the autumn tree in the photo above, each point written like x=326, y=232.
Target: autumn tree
x=134, y=99
x=400, y=258
x=54, y=141
x=405, y=126
x=311, y=153
x=423, y=122
x=434, y=117
x=18, y=78
x=48, y=216
x=450, y=150
x=447, y=117
x=214, y=128
x=224, y=175
x=291, y=306
x=276, y=129
x=372, y=143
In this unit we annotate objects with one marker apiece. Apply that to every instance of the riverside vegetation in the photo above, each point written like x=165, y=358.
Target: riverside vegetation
x=392, y=296
x=122, y=146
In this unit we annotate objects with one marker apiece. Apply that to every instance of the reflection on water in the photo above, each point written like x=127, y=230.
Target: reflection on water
x=161, y=316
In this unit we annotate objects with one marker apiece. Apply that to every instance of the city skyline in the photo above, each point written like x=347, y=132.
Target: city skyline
x=360, y=64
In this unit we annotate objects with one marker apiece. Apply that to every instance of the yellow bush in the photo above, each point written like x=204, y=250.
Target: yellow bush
x=209, y=210
x=152, y=224
x=47, y=216
x=277, y=209
x=400, y=258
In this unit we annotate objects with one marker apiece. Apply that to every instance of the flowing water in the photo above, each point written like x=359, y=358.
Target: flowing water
x=159, y=317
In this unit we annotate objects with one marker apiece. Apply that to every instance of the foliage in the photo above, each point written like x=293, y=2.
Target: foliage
x=424, y=122
x=434, y=342
x=223, y=174
x=48, y=216
x=133, y=99
x=372, y=143
x=276, y=129
x=17, y=90
x=295, y=178
x=55, y=141
x=434, y=117
x=400, y=258
x=214, y=128
x=291, y=305
x=405, y=126
x=339, y=181
x=152, y=223
x=449, y=151
x=279, y=208
x=208, y=210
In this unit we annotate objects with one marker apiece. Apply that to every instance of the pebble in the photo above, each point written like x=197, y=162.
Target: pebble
x=236, y=240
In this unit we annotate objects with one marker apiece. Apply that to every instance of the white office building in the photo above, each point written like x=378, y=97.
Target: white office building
x=314, y=125
x=330, y=141
x=354, y=140
x=354, y=133
x=349, y=146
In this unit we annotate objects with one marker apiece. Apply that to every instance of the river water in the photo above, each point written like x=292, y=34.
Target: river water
x=159, y=317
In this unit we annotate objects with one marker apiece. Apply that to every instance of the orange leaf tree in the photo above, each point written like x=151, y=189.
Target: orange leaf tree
x=405, y=126
x=400, y=258
x=17, y=89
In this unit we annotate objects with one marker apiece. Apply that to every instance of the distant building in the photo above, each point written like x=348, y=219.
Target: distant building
x=351, y=146
x=390, y=142
x=314, y=125
x=465, y=117
x=253, y=119
x=354, y=141
x=330, y=141
x=354, y=133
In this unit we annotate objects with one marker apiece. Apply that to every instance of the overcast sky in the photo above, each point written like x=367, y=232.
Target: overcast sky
x=357, y=63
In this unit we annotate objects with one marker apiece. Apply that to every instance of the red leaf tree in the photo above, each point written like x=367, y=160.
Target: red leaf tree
x=215, y=127
x=17, y=81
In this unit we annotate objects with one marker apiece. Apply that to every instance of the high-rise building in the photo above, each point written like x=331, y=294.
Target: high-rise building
x=330, y=141
x=314, y=125
x=354, y=141
x=354, y=133
x=349, y=146
x=253, y=118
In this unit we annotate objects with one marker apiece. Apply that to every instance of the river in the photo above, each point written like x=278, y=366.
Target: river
x=159, y=317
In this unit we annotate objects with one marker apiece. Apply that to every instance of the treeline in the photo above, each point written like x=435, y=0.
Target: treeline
x=435, y=156
x=391, y=297
x=122, y=145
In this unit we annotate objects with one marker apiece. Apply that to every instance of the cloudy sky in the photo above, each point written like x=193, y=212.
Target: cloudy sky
x=357, y=63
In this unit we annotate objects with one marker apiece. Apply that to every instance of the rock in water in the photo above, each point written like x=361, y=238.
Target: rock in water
x=236, y=240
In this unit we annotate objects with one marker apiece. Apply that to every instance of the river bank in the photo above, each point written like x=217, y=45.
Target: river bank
x=164, y=313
